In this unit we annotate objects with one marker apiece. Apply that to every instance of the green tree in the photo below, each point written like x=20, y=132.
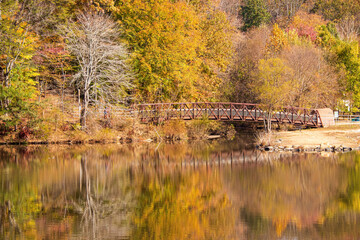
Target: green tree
x=17, y=41
x=335, y=10
x=18, y=46
x=254, y=13
x=19, y=96
x=344, y=55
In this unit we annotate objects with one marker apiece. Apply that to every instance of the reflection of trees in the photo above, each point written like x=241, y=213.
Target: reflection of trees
x=96, y=192
x=144, y=192
x=19, y=200
x=45, y=187
x=6, y=216
x=343, y=225
x=182, y=205
x=342, y=218
x=294, y=193
x=90, y=209
x=350, y=200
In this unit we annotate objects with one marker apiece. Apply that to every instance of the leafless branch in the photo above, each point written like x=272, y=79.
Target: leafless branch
x=103, y=72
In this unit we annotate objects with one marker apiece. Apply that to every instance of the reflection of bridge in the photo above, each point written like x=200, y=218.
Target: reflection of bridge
x=217, y=158
x=156, y=112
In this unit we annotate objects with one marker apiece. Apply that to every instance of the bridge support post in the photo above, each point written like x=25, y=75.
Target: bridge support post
x=180, y=107
x=218, y=105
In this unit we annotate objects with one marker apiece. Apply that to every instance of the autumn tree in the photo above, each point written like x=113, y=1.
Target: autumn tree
x=344, y=13
x=51, y=57
x=315, y=82
x=103, y=73
x=335, y=10
x=305, y=25
x=179, y=48
x=164, y=37
x=16, y=40
x=231, y=9
x=345, y=56
x=217, y=36
x=17, y=71
x=278, y=41
x=273, y=86
x=249, y=51
x=348, y=28
x=283, y=9
x=24, y=27
x=55, y=66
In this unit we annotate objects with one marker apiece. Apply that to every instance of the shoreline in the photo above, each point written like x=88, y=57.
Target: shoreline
x=308, y=149
x=121, y=140
x=339, y=138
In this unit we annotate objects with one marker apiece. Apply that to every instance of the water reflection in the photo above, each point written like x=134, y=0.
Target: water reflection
x=217, y=190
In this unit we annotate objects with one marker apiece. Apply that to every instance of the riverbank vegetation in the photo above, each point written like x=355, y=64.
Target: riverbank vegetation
x=65, y=65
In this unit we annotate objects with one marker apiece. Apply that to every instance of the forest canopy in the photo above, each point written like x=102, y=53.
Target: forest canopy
x=197, y=50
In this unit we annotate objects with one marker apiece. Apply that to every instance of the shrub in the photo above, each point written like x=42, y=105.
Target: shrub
x=264, y=138
x=77, y=136
x=121, y=124
x=76, y=126
x=230, y=131
x=174, y=129
x=105, y=134
x=202, y=127
x=42, y=131
x=24, y=133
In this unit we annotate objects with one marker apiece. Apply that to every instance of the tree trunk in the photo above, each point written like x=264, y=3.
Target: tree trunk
x=84, y=171
x=267, y=124
x=2, y=81
x=62, y=88
x=269, y=121
x=84, y=109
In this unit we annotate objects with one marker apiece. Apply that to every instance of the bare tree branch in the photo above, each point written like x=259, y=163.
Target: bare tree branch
x=103, y=72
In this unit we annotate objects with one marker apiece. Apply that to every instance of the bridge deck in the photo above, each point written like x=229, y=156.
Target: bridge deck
x=226, y=112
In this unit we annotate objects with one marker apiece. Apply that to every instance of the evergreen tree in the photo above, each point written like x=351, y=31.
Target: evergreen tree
x=254, y=13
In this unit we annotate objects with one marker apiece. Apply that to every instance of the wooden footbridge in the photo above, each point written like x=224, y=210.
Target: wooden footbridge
x=157, y=112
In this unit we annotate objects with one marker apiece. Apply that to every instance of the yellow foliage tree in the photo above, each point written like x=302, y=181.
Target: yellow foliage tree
x=274, y=85
x=179, y=48
x=17, y=85
x=277, y=41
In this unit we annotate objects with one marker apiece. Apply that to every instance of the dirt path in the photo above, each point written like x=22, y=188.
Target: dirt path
x=348, y=136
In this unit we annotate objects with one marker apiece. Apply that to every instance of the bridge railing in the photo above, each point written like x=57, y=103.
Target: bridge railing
x=225, y=111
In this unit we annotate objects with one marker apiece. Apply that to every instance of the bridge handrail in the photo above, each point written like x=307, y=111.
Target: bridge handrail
x=220, y=103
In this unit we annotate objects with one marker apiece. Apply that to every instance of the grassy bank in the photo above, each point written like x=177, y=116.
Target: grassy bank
x=58, y=122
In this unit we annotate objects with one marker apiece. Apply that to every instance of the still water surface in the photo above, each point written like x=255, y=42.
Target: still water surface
x=214, y=190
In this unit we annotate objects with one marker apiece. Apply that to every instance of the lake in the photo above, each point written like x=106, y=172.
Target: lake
x=197, y=190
